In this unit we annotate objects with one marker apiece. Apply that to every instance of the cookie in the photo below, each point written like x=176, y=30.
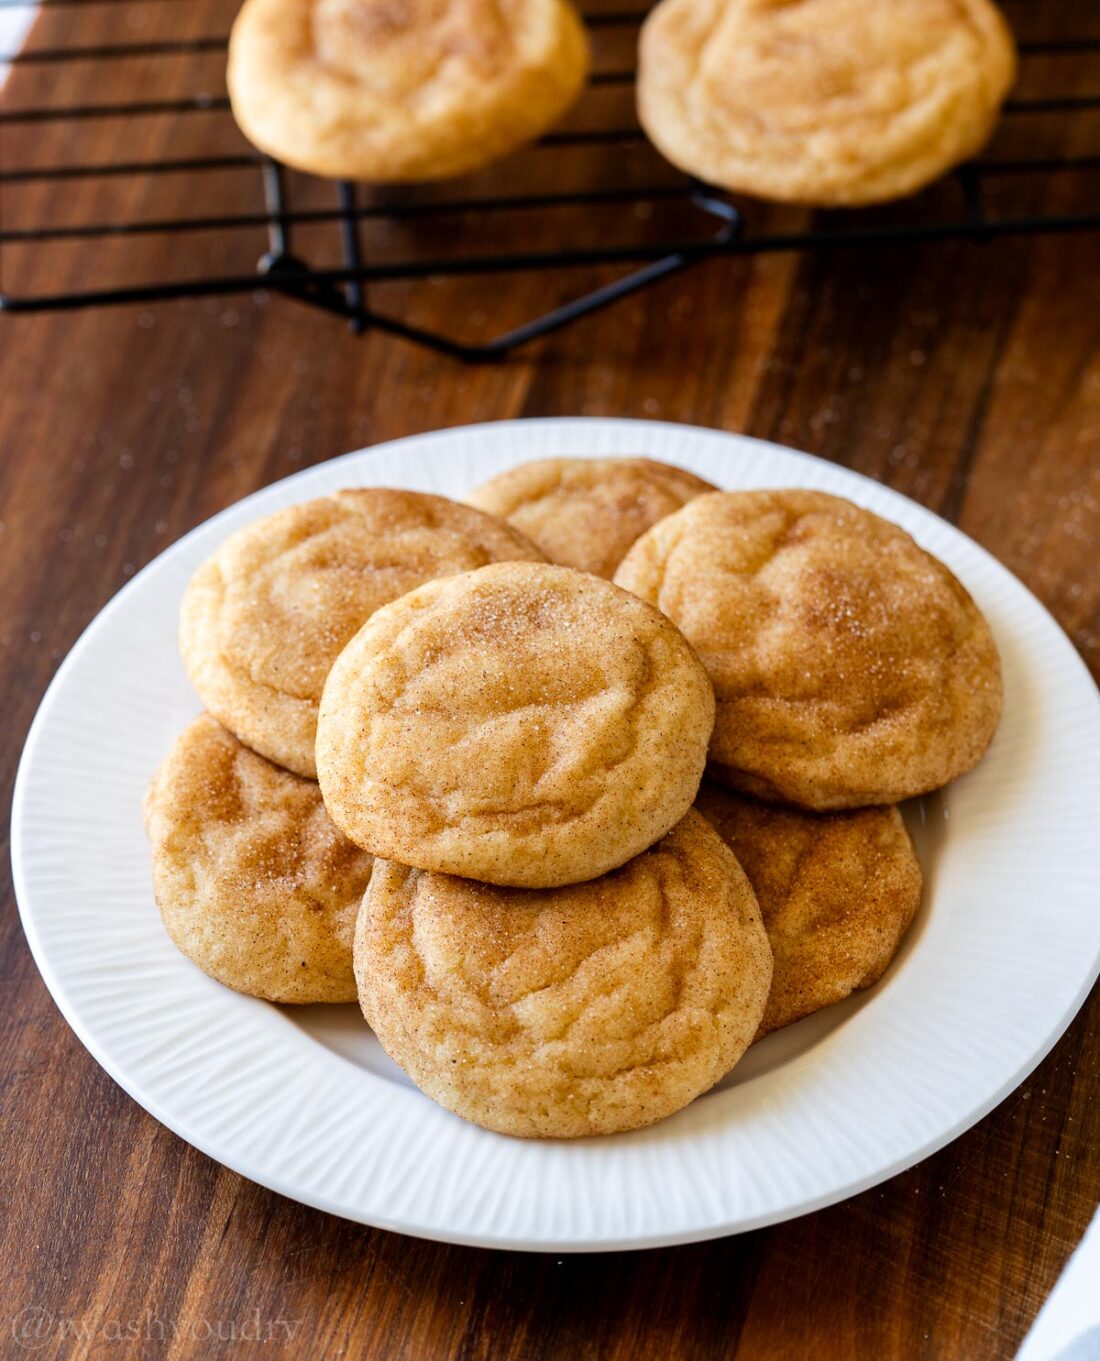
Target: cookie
x=266, y=616
x=254, y=883
x=825, y=102
x=402, y=90
x=586, y=512
x=523, y=724
x=562, y=1012
x=837, y=892
x=850, y=666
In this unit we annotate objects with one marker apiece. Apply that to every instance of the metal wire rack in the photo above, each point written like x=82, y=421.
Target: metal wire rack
x=657, y=221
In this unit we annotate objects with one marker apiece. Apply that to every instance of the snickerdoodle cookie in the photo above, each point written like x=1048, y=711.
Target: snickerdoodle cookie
x=586, y=512
x=822, y=101
x=850, y=666
x=400, y=90
x=837, y=892
x=254, y=882
x=523, y=724
x=266, y=616
x=557, y=1013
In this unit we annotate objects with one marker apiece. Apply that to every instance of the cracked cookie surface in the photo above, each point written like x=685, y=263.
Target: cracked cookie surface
x=586, y=512
x=267, y=614
x=850, y=666
x=822, y=101
x=402, y=90
x=564, y=1012
x=837, y=892
x=255, y=883
x=523, y=724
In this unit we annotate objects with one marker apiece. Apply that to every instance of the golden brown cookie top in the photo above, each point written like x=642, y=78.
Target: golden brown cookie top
x=254, y=882
x=850, y=666
x=392, y=90
x=265, y=617
x=563, y=1012
x=586, y=512
x=837, y=892
x=395, y=47
x=823, y=101
x=523, y=724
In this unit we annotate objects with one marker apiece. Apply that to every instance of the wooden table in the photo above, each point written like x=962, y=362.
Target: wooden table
x=965, y=376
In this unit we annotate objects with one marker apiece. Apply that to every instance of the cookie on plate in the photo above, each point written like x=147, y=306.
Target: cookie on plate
x=850, y=666
x=266, y=616
x=586, y=512
x=523, y=724
x=564, y=1012
x=825, y=101
x=385, y=92
x=837, y=892
x=254, y=883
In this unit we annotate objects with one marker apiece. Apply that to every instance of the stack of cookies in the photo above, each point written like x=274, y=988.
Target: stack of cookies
x=453, y=771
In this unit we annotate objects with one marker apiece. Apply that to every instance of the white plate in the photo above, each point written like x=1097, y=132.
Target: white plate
x=304, y=1101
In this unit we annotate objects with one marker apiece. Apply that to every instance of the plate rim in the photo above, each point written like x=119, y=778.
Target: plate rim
x=136, y=1088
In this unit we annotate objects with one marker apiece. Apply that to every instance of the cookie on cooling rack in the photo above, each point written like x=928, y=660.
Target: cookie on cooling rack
x=557, y=1013
x=266, y=616
x=523, y=724
x=827, y=102
x=420, y=90
x=254, y=883
x=850, y=666
x=586, y=512
x=837, y=892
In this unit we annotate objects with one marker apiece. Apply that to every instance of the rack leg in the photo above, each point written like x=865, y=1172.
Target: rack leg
x=353, y=257
x=278, y=258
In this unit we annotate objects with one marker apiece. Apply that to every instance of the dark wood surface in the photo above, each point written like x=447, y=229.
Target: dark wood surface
x=967, y=377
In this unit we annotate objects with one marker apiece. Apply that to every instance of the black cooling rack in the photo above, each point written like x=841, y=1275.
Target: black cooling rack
x=707, y=221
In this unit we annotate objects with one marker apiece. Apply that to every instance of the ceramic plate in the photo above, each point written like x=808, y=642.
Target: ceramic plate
x=1002, y=954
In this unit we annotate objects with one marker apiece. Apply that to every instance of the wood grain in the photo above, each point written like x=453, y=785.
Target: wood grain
x=967, y=377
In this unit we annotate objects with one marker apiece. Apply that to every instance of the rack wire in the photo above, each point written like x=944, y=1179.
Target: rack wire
x=670, y=220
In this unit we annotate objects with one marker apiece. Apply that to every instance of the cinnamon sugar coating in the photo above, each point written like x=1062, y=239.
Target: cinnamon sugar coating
x=586, y=512
x=523, y=724
x=850, y=666
x=267, y=614
x=254, y=882
x=565, y=1012
x=822, y=101
x=837, y=892
x=402, y=90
